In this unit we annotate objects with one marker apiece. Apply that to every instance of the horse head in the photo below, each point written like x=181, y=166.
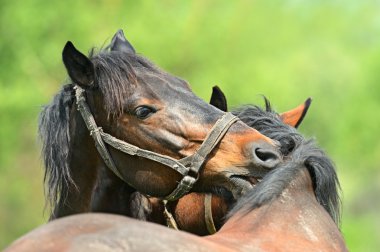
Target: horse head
x=134, y=101
x=200, y=213
x=137, y=107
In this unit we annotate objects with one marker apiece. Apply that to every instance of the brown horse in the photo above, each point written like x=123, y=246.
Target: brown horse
x=150, y=130
x=294, y=208
x=194, y=212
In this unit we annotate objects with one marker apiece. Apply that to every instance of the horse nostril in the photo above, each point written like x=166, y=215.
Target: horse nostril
x=266, y=157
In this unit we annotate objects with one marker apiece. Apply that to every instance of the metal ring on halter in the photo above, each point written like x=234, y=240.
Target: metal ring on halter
x=183, y=166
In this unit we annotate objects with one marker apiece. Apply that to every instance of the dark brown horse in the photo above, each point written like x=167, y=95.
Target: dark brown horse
x=294, y=208
x=194, y=212
x=155, y=135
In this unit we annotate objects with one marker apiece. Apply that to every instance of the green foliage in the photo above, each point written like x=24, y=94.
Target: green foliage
x=286, y=50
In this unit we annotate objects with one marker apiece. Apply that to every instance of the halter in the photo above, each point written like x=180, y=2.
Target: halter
x=188, y=167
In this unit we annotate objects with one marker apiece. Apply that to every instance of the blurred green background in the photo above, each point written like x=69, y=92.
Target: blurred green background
x=286, y=50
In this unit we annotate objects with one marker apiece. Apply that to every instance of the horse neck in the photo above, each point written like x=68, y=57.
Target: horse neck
x=189, y=212
x=84, y=165
x=294, y=221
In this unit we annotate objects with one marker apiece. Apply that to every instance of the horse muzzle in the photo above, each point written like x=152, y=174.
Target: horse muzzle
x=264, y=157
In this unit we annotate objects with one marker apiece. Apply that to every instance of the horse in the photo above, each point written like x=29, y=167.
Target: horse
x=197, y=213
x=296, y=207
x=122, y=116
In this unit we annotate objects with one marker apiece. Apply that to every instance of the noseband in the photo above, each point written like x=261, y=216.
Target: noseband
x=188, y=167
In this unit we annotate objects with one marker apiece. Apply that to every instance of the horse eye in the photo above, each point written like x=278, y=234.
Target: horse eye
x=144, y=112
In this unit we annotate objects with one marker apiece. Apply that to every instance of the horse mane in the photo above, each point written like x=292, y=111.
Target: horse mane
x=53, y=129
x=299, y=153
x=111, y=69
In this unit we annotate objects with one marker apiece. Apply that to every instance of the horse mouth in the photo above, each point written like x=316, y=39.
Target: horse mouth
x=251, y=179
x=243, y=183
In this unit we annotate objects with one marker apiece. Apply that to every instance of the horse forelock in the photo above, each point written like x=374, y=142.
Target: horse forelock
x=298, y=153
x=118, y=73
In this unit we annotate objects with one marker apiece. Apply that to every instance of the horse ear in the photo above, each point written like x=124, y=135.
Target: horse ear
x=218, y=99
x=78, y=66
x=120, y=43
x=295, y=116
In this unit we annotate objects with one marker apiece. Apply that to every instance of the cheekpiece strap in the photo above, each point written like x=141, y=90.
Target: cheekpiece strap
x=95, y=131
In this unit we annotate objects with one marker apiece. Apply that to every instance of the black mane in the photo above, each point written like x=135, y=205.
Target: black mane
x=111, y=69
x=53, y=129
x=298, y=153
